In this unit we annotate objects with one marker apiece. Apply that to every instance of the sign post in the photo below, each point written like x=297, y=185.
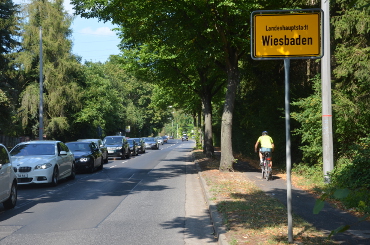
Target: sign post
x=287, y=34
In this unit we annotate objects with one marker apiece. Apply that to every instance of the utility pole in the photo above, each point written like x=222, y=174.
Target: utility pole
x=41, y=106
x=327, y=129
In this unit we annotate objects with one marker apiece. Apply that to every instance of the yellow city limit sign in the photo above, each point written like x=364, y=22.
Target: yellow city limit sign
x=287, y=35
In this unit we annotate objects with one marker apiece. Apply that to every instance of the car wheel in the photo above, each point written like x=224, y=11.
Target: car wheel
x=137, y=152
x=73, y=172
x=55, y=177
x=128, y=154
x=106, y=159
x=12, y=200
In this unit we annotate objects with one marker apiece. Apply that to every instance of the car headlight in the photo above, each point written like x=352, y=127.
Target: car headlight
x=84, y=159
x=43, y=166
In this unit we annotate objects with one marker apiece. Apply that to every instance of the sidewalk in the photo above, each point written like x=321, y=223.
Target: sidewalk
x=302, y=204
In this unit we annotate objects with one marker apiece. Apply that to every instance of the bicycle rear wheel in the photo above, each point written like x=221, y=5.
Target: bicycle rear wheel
x=267, y=170
x=263, y=167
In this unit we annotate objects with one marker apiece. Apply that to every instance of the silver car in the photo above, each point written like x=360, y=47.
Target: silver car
x=42, y=162
x=8, y=180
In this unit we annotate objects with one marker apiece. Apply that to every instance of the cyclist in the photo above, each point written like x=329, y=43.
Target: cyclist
x=267, y=144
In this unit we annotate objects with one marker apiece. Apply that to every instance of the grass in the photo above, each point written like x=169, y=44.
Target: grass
x=249, y=215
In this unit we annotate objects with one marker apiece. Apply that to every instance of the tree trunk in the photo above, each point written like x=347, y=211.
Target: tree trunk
x=227, y=157
x=207, y=111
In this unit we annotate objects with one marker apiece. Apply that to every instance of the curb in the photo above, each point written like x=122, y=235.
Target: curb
x=216, y=218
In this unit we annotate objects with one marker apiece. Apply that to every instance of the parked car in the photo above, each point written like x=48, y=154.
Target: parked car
x=160, y=140
x=133, y=146
x=101, y=147
x=88, y=156
x=165, y=139
x=42, y=162
x=8, y=180
x=141, y=144
x=117, y=146
x=185, y=137
x=151, y=143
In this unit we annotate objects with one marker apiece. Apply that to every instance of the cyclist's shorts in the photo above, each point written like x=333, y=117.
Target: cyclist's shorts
x=263, y=149
x=269, y=150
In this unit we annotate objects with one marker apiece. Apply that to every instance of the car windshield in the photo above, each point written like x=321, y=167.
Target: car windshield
x=149, y=139
x=113, y=141
x=78, y=147
x=33, y=149
x=130, y=141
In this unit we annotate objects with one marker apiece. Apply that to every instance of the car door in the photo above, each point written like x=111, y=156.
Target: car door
x=4, y=173
x=103, y=149
x=64, y=161
x=95, y=152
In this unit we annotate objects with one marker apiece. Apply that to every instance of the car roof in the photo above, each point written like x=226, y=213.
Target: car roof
x=41, y=142
x=87, y=139
x=80, y=142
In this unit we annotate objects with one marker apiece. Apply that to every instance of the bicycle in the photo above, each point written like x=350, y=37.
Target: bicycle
x=266, y=169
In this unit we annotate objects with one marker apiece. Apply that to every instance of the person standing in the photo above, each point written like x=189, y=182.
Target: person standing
x=267, y=144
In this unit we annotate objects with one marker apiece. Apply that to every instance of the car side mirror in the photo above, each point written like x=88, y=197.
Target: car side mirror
x=62, y=153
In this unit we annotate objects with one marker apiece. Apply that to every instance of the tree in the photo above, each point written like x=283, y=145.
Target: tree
x=9, y=34
x=351, y=25
x=62, y=69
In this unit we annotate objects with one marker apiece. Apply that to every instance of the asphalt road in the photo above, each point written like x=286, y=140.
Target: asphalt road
x=153, y=198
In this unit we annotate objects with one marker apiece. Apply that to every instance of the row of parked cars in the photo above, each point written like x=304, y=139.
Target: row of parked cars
x=47, y=161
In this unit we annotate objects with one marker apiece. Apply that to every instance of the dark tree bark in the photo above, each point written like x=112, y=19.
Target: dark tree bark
x=208, y=148
x=233, y=77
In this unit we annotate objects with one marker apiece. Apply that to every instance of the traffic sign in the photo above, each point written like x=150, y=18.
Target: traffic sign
x=286, y=35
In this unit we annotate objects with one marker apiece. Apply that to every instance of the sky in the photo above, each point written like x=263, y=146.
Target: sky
x=92, y=40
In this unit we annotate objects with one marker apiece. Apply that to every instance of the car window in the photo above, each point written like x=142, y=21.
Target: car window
x=4, y=157
x=113, y=140
x=33, y=149
x=79, y=146
x=93, y=146
x=64, y=147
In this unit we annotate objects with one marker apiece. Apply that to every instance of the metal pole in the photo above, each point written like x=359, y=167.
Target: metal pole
x=41, y=108
x=327, y=131
x=288, y=153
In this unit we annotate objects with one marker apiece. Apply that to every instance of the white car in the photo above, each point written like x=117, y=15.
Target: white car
x=42, y=162
x=160, y=140
x=8, y=180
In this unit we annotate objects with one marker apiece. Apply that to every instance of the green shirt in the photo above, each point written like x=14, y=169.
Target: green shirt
x=265, y=141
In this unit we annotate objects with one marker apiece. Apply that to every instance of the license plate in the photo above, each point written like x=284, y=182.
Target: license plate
x=110, y=151
x=22, y=175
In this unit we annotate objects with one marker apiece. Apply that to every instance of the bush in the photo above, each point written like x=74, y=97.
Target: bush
x=355, y=176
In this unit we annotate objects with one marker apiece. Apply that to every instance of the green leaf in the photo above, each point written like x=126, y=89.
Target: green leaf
x=363, y=218
x=341, y=193
x=342, y=228
x=319, y=205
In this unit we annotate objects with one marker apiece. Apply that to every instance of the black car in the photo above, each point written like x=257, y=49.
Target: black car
x=87, y=155
x=100, y=145
x=133, y=146
x=151, y=143
x=117, y=146
x=140, y=143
